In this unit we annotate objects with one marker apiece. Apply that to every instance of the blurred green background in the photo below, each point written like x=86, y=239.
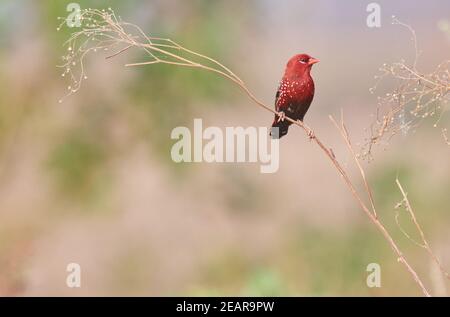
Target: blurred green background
x=91, y=181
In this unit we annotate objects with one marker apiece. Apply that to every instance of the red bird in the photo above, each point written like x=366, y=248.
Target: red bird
x=295, y=93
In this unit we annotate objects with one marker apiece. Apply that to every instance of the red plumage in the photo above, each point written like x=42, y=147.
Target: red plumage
x=295, y=93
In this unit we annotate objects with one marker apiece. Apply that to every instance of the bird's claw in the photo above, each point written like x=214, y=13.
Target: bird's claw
x=281, y=116
x=309, y=132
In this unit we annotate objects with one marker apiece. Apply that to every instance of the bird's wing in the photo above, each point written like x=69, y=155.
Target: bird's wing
x=277, y=96
x=282, y=103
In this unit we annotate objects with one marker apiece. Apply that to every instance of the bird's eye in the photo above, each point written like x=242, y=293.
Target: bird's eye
x=303, y=61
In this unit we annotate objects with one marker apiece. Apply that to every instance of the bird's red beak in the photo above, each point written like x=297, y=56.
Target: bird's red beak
x=313, y=61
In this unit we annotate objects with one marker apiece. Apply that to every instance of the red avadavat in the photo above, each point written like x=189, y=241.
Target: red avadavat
x=295, y=93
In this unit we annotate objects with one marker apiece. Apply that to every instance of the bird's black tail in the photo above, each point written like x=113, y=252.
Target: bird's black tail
x=281, y=126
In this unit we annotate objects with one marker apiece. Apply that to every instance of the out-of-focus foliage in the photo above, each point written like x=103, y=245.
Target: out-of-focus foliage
x=90, y=180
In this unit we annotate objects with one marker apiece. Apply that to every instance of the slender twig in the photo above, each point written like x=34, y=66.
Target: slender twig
x=119, y=52
x=417, y=95
x=424, y=243
x=445, y=136
x=344, y=132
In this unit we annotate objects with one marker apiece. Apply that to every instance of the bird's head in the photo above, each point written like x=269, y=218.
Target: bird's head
x=300, y=64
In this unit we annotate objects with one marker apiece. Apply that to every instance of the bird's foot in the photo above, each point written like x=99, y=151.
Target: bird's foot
x=281, y=116
x=309, y=132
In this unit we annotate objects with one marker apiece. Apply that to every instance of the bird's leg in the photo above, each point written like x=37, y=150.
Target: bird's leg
x=281, y=116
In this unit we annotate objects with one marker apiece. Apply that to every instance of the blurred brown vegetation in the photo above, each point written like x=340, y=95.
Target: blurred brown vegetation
x=91, y=180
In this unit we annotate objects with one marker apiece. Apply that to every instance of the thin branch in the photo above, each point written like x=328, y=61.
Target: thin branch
x=445, y=136
x=417, y=95
x=424, y=243
x=119, y=52
x=344, y=132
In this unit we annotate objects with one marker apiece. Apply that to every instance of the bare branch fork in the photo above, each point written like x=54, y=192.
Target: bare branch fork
x=424, y=243
x=102, y=30
x=445, y=136
x=417, y=95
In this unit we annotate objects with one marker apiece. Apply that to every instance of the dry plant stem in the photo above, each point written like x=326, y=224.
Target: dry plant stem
x=416, y=96
x=444, y=135
x=424, y=243
x=344, y=132
x=372, y=215
x=108, y=26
